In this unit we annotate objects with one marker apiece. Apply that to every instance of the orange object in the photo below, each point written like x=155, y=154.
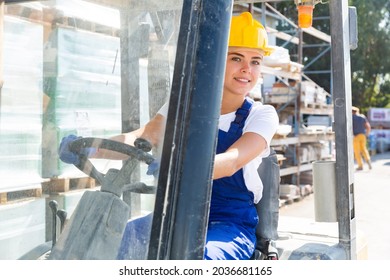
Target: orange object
x=305, y=16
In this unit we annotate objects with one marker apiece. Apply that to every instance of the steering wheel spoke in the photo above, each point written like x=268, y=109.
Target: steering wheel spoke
x=118, y=184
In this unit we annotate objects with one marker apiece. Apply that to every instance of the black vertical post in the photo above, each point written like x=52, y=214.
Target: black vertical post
x=184, y=186
x=341, y=92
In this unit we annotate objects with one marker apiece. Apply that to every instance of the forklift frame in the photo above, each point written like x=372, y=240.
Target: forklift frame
x=193, y=115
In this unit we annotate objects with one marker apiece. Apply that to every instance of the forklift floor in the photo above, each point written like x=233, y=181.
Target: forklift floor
x=298, y=229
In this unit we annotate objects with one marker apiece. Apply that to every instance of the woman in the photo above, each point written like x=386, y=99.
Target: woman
x=245, y=132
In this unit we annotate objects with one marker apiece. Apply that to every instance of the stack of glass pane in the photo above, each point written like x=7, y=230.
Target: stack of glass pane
x=21, y=105
x=82, y=84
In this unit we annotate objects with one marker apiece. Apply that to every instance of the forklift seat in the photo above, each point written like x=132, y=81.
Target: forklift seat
x=268, y=209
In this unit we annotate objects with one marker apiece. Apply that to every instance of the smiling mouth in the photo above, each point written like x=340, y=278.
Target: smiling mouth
x=242, y=80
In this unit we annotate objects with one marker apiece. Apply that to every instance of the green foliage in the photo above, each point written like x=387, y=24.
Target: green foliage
x=370, y=62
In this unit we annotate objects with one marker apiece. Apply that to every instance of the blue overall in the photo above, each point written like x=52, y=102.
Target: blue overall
x=233, y=216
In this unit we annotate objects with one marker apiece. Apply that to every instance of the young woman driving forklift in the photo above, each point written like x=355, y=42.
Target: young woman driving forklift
x=245, y=131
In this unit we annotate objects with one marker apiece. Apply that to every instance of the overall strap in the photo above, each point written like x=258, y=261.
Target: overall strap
x=242, y=113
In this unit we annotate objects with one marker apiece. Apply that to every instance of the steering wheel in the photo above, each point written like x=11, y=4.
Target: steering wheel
x=114, y=181
x=137, y=152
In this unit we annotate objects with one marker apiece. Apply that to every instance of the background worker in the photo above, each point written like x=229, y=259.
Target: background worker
x=361, y=129
x=245, y=132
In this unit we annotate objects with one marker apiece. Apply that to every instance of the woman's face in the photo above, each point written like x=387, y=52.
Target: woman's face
x=242, y=70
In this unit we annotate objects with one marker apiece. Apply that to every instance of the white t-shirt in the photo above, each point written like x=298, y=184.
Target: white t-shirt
x=262, y=120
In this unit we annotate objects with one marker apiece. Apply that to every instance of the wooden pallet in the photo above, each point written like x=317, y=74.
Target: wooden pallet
x=306, y=190
x=315, y=105
x=17, y=195
x=290, y=199
x=59, y=185
x=318, y=106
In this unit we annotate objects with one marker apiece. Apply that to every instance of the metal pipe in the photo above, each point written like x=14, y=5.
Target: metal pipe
x=342, y=100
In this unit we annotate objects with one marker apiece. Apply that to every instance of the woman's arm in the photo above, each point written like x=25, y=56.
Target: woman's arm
x=153, y=131
x=368, y=127
x=245, y=149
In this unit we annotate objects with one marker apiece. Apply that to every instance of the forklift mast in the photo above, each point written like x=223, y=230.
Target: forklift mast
x=342, y=100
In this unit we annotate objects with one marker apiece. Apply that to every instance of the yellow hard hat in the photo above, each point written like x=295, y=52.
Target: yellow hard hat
x=249, y=33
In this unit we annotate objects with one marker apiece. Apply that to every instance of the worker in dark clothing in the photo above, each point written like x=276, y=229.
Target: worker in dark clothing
x=361, y=129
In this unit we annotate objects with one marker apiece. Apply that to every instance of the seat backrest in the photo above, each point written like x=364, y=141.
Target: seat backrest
x=268, y=206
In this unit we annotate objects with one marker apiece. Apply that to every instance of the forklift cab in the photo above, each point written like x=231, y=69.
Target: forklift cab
x=101, y=79
x=112, y=76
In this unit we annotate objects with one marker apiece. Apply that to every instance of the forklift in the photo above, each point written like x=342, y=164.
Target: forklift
x=195, y=33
